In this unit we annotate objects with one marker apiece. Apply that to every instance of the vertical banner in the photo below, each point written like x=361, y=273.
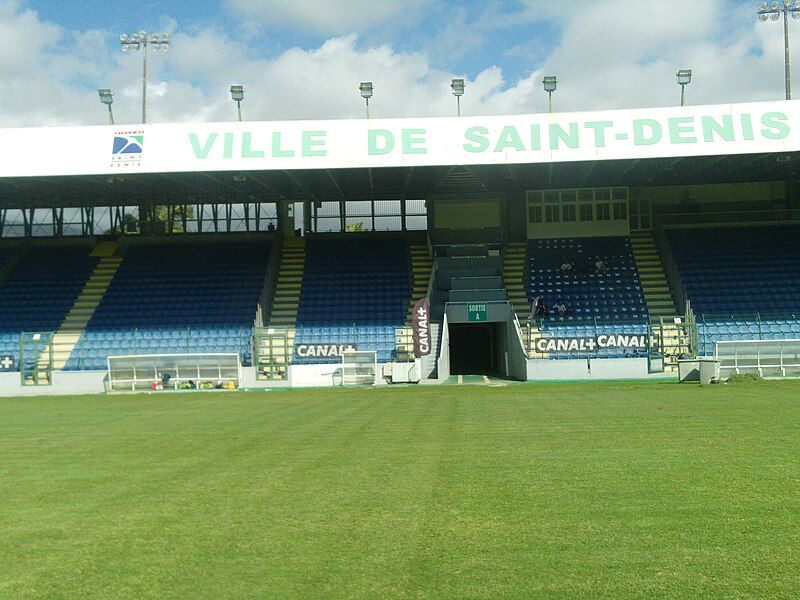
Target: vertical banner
x=421, y=327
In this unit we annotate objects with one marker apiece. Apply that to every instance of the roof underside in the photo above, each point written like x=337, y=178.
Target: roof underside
x=388, y=183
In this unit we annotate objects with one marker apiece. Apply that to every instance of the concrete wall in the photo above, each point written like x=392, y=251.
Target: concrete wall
x=517, y=360
x=582, y=369
x=64, y=383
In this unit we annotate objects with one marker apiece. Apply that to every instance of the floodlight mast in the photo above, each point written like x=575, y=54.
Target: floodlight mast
x=237, y=95
x=141, y=41
x=458, y=85
x=366, y=93
x=550, y=83
x=107, y=98
x=684, y=79
x=773, y=12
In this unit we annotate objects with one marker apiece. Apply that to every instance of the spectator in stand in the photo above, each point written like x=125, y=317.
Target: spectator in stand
x=566, y=267
x=561, y=308
x=538, y=308
x=600, y=266
x=586, y=268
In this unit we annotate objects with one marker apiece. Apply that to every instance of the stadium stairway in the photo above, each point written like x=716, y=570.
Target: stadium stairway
x=513, y=279
x=290, y=279
x=655, y=287
x=74, y=324
x=421, y=267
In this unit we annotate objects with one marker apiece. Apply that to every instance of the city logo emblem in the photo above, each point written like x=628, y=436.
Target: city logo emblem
x=127, y=150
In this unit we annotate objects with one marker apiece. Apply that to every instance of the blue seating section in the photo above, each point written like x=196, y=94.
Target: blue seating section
x=39, y=292
x=177, y=298
x=743, y=282
x=554, y=329
x=354, y=291
x=614, y=295
x=739, y=269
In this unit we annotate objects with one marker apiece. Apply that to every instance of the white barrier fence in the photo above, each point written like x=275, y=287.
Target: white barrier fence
x=359, y=368
x=767, y=358
x=146, y=371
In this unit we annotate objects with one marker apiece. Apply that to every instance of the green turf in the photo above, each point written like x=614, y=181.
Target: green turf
x=614, y=490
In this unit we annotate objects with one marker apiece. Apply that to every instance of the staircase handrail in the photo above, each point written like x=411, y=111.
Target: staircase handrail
x=670, y=266
x=267, y=296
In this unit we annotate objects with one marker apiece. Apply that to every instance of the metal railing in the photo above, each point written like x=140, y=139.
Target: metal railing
x=726, y=218
x=767, y=358
x=760, y=326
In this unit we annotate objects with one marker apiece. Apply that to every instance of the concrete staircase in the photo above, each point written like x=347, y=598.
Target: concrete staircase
x=421, y=266
x=514, y=277
x=657, y=294
x=81, y=312
x=290, y=278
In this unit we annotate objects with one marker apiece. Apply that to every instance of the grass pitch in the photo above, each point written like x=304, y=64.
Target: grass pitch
x=615, y=490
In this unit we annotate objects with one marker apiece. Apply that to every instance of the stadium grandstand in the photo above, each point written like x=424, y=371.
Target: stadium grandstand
x=567, y=246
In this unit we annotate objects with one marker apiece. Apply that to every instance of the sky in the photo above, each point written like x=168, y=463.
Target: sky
x=304, y=60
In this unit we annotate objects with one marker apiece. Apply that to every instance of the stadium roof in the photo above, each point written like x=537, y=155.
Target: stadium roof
x=358, y=159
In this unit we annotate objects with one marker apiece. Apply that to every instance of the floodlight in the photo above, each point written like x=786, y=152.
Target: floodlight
x=684, y=76
x=796, y=15
x=550, y=83
x=457, y=85
x=237, y=92
x=775, y=5
x=139, y=41
x=366, y=89
x=774, y=17
x=106, y=96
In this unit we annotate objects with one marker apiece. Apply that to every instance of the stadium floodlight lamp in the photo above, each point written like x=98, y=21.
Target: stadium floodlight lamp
x=684, y=79
x=237, y=95
x=550, y=84
x=773, y=12
x=141, y=41
x=457, y=85
x=366, y=93
x=107, y=98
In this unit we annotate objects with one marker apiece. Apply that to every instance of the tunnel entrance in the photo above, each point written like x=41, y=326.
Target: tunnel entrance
x=474, y=349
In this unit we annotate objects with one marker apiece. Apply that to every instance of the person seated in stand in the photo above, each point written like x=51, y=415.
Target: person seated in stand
x=538, y=308
x=586, y=268
x=561, y=308
x=566, y=267
x=165, y=377
x=600, y=266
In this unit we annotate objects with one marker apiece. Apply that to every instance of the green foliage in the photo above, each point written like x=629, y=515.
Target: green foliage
x=613, y=490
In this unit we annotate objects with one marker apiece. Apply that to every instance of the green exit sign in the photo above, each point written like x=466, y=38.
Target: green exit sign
x=476, y=313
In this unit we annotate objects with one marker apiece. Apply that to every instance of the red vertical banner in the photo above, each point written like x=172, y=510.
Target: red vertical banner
x=421, y=327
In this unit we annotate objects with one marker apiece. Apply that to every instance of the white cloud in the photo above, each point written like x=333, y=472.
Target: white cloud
x=609, y=55
x=328, y=16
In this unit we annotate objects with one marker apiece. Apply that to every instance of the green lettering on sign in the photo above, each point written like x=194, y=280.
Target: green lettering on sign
x=477, y=312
